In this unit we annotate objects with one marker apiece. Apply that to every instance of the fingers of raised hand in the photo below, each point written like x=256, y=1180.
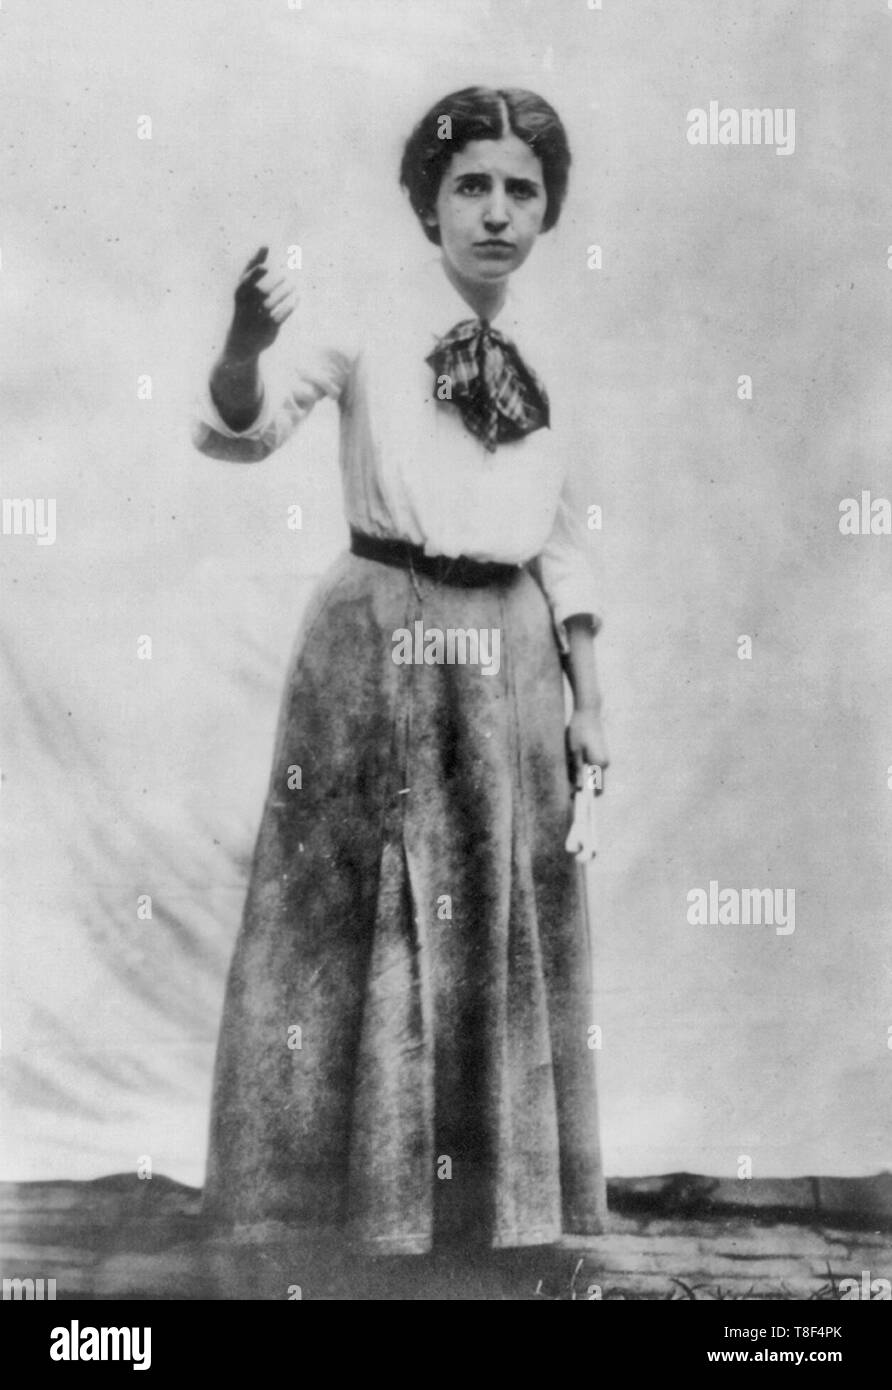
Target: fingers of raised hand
x=276, y=295
x=247, y=291
x=257, y=259
x=285, y=309
x=259, y=278
x=266, y=295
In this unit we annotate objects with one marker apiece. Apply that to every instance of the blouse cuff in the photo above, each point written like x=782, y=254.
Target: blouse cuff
x=209, y=416
x=566, y=605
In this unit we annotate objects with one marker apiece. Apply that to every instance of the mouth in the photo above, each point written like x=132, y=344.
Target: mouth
x=494, y=244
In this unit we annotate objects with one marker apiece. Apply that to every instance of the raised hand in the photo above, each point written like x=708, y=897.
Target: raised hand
x=264, y=299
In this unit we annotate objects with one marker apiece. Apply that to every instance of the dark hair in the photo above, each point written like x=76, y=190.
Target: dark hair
x=479, y=113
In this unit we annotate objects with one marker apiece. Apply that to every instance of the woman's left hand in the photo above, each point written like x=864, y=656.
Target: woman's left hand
x=586, y=744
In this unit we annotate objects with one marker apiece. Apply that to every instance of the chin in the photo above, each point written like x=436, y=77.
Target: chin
x=485, y=274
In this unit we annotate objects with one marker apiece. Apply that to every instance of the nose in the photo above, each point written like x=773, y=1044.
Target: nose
x=496, y=217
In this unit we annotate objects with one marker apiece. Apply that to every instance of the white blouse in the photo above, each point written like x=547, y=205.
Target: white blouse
x=410, y=469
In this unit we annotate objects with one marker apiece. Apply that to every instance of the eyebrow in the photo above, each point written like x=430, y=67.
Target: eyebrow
x=484, y=174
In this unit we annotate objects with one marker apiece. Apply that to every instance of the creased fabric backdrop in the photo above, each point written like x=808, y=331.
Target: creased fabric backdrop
x=124, y=777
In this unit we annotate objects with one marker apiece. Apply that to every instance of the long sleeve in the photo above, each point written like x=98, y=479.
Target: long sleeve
x=564, y=567
x=319, y=372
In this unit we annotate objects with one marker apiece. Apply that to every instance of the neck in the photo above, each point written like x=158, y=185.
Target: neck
x=485, y=299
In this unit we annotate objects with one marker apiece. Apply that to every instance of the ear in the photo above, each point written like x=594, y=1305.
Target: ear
x=430, y=218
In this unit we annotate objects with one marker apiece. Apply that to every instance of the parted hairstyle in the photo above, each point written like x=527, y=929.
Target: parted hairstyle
x=484, y=113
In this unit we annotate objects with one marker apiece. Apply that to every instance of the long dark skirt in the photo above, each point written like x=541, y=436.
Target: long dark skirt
x=404, y=1046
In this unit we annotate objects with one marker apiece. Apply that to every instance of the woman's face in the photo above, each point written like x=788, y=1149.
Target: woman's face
x=490, y=208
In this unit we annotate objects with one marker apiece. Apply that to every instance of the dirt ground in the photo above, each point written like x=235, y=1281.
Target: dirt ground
x=677, y=1237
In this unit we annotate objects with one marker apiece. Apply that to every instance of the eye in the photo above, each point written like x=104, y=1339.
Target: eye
x=473, y=184
x=523, y=191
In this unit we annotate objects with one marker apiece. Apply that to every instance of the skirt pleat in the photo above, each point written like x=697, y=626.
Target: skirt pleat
x=404, y=1053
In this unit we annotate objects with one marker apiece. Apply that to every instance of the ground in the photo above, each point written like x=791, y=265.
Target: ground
x=672, y=1237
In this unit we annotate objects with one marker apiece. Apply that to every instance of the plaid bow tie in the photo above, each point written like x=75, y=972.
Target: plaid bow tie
x=497, y=394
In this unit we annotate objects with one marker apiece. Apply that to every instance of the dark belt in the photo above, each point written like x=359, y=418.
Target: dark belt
x=446, y=569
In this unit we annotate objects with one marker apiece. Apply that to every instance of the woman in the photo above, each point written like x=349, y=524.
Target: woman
x=404, y=1047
